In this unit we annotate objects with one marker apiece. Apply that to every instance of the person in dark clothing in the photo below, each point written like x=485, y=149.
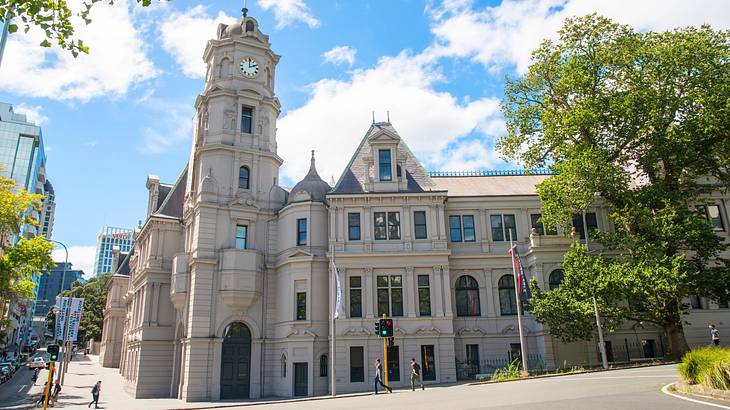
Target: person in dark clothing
x=95, y=394
x=378, y=377
x=56, y=391
x=415, y=375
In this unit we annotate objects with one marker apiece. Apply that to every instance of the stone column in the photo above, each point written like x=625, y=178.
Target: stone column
x=447, y=290
x=409, y=293
x=368, y=292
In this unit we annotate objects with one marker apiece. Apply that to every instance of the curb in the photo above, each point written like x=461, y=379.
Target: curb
x=545, y=376
x=666, y=391
x=272, y=402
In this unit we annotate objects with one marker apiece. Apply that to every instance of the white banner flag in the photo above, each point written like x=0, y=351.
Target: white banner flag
x=61, y=308
x=339, y=308
x=77, y=309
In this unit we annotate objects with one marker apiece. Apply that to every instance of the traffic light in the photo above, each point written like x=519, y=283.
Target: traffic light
x=391, y=341
x=386, y=327
x=377, y=328
x=53, y=351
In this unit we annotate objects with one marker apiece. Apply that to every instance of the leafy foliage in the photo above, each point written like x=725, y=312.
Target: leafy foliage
x=512, y=371
x=54, y=18
x=94, y=294
x=709, y=366
x=638, y=123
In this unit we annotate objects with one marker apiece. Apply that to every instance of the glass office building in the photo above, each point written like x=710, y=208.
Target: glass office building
x=50, y=286
x=108, y=238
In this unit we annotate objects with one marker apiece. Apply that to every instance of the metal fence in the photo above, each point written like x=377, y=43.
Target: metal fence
x=491, y=173
x=470, y=369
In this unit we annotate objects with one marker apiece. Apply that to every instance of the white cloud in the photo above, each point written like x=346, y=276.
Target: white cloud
x=185, y=34
x=81, y=257
x=33, y=113
x=338, y=113
x=117, y=59
x=288, y=12
x=468, y=155
x=506, y=34
x=340, y=55
x=174, y=125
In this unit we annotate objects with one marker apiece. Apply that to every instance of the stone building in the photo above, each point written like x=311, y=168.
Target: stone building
x=229, y=293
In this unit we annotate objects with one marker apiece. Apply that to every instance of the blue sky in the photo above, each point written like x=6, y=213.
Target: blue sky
x=111, y=118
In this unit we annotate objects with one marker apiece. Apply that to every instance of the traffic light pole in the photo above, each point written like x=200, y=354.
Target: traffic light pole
x=47, y=390
x=385, y=357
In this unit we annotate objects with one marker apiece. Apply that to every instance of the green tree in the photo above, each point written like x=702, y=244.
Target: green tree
x=94, y=293
x=639, y=123
x=53, y=17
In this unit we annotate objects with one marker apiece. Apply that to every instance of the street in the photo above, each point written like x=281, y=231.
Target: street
x=638, y=388
x=17, y=388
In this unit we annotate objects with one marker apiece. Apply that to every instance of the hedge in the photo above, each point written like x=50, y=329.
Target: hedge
x=708, y=366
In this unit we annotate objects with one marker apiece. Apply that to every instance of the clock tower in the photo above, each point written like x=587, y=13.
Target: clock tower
x=231, y=199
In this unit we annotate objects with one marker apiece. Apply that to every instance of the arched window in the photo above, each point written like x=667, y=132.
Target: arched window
x=283, y=365
x=323, y=365
x=237, y=330
x=243, y=177
x=555, y=278
x=507, y=302
x=467, y=296
x=249, y=25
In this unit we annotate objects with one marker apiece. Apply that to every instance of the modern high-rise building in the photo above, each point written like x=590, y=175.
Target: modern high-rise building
x=51, y=285
x=108, y=238
x=49, y=210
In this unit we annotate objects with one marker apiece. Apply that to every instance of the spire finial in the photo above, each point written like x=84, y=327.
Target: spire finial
x=373, y=117
x=388, y=113
x=312, y=155
x=244, y=10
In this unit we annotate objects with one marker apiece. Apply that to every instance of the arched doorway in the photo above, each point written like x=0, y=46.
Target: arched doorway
x=236, y=362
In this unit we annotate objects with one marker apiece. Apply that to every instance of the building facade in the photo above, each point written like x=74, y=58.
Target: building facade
x=49, y=210
x=108, y=238
x=230, y=293
x=53, y=282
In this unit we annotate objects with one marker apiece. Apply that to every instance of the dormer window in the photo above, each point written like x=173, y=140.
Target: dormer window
x=249, y=26
x=384, y=165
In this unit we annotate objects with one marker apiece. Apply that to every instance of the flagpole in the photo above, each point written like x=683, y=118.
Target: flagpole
x=523, y=347
x=333, y=378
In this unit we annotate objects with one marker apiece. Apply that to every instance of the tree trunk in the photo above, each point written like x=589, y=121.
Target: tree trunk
x=677, y=344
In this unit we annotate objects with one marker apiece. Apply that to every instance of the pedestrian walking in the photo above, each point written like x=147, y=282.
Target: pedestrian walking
x=715, y=335
x=378, y=377
x=415, y=375
x=35, y=375
x=95, y=394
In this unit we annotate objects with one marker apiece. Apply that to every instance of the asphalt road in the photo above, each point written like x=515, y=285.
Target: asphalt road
x=15, y=390
x=619, y=389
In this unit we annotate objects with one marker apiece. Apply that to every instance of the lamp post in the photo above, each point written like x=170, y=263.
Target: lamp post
x=64, y=352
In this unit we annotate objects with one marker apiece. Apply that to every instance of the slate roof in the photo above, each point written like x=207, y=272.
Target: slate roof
x=172, y=203
x=123, y=265
x=490, y=185
x=354, y=178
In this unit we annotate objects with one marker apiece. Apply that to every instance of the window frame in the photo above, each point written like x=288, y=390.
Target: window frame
x=424, y=297
x=246, y=109
x=502, y=229
x=463, y=286
x=301, y=305
x=351, y=227
x=301, y=241
x=357, y=374
x=512, y=298
x=389, y=289
x=540, y=226
x=236, y=237
x=323, y=365
x=241, y=178
x=591, y=224
x=706, y=210
x=553, y=283
x=387, y=226
x=381, y=167
x=416, y=225
x=355, y=290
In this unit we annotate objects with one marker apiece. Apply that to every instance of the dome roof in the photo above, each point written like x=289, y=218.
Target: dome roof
x=311, y=188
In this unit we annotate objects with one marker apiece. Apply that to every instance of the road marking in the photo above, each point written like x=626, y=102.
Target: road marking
x=22, y=387
x=665, y=390
x=657, y=376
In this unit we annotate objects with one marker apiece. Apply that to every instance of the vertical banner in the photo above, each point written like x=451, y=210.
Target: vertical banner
x=61, y=308
x=77, y=309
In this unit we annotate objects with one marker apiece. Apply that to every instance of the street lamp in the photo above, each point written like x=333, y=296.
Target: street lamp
x=62, y=369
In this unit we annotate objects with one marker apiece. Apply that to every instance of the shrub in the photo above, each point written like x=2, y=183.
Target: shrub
x=709, y=366
x=509, y=372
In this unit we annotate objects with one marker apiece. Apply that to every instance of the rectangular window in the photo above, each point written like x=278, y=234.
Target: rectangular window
x=246, y=119
x=712, y=212
x=591, y=221
x=424, y=296
x=695, y=302
x=384, y=165
x=357, y=364
x=387, y=225
x=468, y=223
x=353, y=226
x=455, y=228
x=428, y=362
x=501, y=226
x=538, y=225
x=393, y=364
x=355, y=296
x=390, y=295
x=419, y=222
x=301, y=305
x=241, y=236
x=302, y=232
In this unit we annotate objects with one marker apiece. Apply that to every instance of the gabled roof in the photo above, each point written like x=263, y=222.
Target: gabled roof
x=354, y=178
x=172, y=204
x=123, y=265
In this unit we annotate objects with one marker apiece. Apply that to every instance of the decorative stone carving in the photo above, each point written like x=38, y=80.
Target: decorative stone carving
x=474, y=331
x=427, y=331
x=301, y=333
x=357, y=331
x=209, y=183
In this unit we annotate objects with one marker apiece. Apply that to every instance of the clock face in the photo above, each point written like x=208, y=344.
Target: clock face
x=249, y=67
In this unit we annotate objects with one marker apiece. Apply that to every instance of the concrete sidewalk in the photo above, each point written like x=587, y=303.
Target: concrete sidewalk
x=85, y=371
